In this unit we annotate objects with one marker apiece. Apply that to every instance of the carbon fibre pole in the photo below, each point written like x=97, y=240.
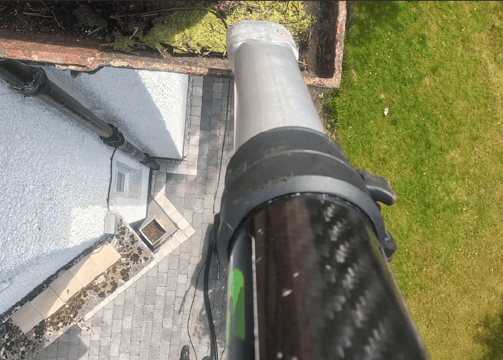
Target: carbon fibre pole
x=300, y=229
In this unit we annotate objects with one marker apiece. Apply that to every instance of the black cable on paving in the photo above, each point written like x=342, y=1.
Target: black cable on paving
x=191, y=306
x=211, y=249
x=207, y=305
x=213, y=243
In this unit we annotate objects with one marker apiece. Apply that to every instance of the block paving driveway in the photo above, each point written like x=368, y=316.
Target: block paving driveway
x=152, y=319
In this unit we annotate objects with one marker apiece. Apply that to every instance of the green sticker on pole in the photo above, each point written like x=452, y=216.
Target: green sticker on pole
x=236, y=296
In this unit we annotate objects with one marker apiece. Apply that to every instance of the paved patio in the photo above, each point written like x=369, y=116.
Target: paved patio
x=150, y=320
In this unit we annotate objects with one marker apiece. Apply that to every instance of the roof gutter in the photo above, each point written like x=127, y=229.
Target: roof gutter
x=67, y=53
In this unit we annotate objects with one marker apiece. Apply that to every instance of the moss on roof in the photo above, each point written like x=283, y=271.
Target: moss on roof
x=202, y=29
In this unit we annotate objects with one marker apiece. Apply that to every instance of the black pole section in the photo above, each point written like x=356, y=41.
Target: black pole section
x=323, y=288
x=207, y=305
x=291, y=160
x=33, y=81
x=240, y=337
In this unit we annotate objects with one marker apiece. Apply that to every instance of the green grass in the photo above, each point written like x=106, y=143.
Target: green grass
x=438, y=67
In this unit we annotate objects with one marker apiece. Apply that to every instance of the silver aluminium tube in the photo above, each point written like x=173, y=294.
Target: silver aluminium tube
x=269, y=91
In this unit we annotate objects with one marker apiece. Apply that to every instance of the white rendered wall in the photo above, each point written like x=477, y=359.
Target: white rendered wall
x=149, y=107
x=54, y=177
x=131, y=210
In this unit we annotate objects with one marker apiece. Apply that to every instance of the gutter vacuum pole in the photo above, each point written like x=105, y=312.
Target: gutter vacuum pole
x=33, y=81
x=299, y=229
x=269, y=88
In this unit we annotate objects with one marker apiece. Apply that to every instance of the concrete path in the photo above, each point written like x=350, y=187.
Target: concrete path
x=152, y=319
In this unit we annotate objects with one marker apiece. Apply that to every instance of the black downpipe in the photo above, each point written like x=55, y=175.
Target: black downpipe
x=33, y=81
x=16, y=74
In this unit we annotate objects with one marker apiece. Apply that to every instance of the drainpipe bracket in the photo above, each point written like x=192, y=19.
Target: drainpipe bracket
x=150, y=162
x=116, y=139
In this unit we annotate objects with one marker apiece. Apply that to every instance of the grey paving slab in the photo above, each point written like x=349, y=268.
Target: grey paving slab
x=196, y=110
x=216, y=105
x=206, y=108
x=208, y=81
x=198, y=80
x=226, y=90
x=215, y=121
x=195, y=120
x=197, y=91
x=149, y=320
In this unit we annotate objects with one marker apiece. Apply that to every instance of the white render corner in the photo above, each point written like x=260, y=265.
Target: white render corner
x=132, y=204
x=55, y=172
x=54, y=177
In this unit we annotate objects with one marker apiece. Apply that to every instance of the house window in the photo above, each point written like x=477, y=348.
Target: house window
x=121, y=182
x=128, y=181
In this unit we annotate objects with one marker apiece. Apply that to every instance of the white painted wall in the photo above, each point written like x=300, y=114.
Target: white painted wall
x=54, y=177
x=149, y=107
x=130, y=209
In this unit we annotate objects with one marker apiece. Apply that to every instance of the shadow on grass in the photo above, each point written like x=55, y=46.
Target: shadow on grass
x=490, y=335
x=362, y=21
x=372, y=14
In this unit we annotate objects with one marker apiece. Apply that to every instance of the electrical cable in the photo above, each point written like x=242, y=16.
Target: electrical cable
x=209, y=314
x=191, y=306
x=211, y=249
x=111, y=175
x=222, y=354
x=207, y=305
x=115, y=140
x=223, y=147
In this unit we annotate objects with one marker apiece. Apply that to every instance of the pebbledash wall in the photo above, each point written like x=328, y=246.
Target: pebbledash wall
x=55, y=173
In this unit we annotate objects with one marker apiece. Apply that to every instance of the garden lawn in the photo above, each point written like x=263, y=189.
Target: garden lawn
x=438, y=68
